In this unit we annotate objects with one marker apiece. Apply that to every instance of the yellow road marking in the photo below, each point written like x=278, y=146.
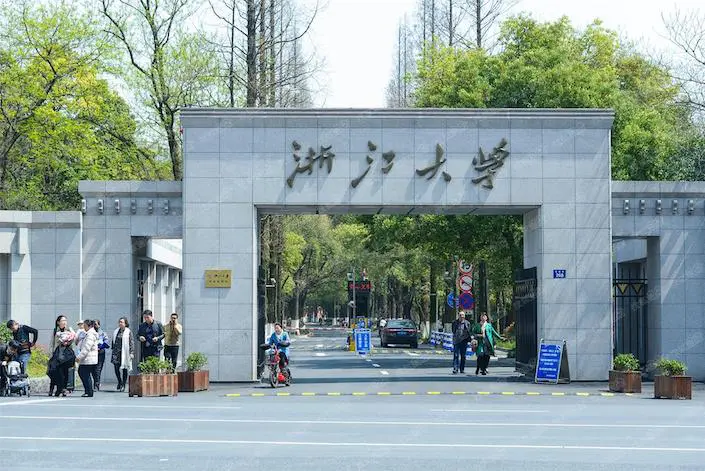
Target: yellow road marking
x=507, y=393
x=433, y=393
x=283, y=394
x=532, y=393
x=308, y=394
x=408, y=393
x=334, y=394
x=359, y=394
x=458, y=393
x=557, y=394
x=233, y=395
x=582, y=394
x=257, y=394
x=607, y=394
x=484, y=393
x=384, y=394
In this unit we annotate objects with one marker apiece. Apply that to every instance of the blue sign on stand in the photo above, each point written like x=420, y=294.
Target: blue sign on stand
x=552, y=364
x=466, y=301
x=363, y=340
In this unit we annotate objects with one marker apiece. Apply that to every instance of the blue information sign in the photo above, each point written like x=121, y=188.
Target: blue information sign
x=363, y=340
x=452, y=300
x=552, y=363
x=559, y=273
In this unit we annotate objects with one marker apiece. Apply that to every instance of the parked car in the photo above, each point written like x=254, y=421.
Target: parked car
x=400, y=332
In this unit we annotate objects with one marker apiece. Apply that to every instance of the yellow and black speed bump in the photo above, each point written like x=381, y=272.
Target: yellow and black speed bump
x=427, y=393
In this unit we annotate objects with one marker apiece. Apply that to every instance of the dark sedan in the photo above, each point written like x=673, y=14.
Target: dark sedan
x=400, y=332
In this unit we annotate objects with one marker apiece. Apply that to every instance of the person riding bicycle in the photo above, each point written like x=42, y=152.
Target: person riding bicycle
x=281, y=339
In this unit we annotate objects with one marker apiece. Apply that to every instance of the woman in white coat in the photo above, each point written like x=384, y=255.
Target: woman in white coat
x=87, y=357
x=123, y=352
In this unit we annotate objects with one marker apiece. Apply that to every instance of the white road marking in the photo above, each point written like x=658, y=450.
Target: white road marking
x=412, y=354
x=320, y=345
x=352, y=422
x=349, y=444
x=367, y=359
x=320, y=354
x=82, y=404
x=20, y=402
x=375, y=365
x=519, y=411
x=385, y=373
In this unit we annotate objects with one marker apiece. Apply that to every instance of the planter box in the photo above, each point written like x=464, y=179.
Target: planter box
x=625, y=381
x=673, y=387
x=153, y=385
x=192, y=381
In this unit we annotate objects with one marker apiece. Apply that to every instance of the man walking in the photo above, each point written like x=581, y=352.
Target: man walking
x=150, y=334
x=22, y=334
x=461, y=336
x=172, y=333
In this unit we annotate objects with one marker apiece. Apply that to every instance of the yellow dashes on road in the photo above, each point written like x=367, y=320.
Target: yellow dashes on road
x=431, y=393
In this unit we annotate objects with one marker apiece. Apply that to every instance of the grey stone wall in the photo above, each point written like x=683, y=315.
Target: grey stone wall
x=558, y=173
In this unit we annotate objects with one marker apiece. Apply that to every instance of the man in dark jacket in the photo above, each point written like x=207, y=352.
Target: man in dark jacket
x=461, y=336
x=22, y=334
x=150, y=334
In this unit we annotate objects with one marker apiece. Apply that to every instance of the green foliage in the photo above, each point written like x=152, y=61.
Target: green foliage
x=670, y=367
x=626, y=362
x=553, y=65
x=38, y=362
x=155, y=366
x=196, y=361
x=5, y=333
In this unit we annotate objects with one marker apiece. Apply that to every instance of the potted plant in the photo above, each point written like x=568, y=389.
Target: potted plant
x=195, y=378
x=156, y=378
x=672, y=382
x=625, y=375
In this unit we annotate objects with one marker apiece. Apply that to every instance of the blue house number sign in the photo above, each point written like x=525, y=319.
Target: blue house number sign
x=559, y=274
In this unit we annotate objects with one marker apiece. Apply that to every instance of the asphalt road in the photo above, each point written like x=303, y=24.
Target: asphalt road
x=211, y=431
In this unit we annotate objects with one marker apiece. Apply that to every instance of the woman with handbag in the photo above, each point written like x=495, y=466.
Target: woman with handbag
x=62, y=358
x=486, y=338
x=123, y=352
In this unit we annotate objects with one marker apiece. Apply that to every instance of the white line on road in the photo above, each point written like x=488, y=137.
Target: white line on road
x=349, y=444
x=375, y=365
x=350, y=422
x=367, y=359
x=385, y=373
x=320, y=354
x=519, y=411
x=411, y=354
x=20, y=402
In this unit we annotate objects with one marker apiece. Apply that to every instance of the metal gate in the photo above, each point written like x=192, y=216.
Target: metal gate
x=524, y=305
x=630, y=310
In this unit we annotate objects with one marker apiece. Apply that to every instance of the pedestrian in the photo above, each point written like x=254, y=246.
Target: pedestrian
x=22, y=334
x=87, y=358
x=486, y=337
x=123, y=352
x=57, y=371
x=461, y=336
x=7, y=354
x=103, y=345
x=172, y=333
x=151, y=334
x=80, y=332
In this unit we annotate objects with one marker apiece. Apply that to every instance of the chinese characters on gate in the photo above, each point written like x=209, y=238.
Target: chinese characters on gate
x=485, y=164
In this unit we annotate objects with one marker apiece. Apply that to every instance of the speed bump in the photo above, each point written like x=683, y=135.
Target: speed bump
x=430, y=393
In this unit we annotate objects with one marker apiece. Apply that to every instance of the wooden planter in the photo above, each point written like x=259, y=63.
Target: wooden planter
x=192, y=381
x=625, y=381
x=153, y=385
x=673, y=387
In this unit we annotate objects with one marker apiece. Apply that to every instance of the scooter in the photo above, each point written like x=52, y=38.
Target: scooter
x=276, y=375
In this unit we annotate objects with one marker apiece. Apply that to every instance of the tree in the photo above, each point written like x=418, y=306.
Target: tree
x=59, y=123
x=171, y=68
x=686, y=30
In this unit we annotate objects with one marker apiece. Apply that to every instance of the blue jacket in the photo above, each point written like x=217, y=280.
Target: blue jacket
x=275, y=339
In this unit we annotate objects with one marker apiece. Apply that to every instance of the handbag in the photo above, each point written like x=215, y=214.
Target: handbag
x=65, y=355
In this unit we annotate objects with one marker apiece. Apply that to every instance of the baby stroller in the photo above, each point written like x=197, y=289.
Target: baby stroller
x=14, y=379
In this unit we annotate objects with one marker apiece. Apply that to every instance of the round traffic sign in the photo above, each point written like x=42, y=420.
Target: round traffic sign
x=464, y=267
x=452, y=300
x=466, y=301
x=465, y=283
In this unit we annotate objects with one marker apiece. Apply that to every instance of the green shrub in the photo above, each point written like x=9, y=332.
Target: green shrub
x=670, y=367
x=5, y=333
x=155, y=366
x=196, y=361
x=626, y=362
x=38, y=361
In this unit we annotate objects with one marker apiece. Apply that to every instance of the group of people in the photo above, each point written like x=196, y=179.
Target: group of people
x=481, y=337
x=87, y=346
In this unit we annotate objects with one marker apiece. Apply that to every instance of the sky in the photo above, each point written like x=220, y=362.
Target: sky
x=356, y=38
